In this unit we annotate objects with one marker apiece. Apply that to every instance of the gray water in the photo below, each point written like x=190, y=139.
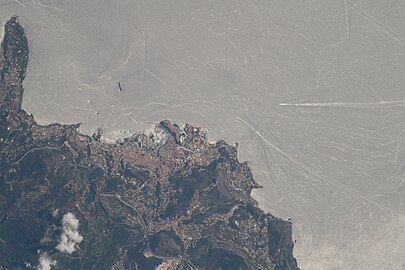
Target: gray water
x=314, y=91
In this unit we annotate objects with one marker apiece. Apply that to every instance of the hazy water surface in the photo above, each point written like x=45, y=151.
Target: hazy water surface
x=314, y=91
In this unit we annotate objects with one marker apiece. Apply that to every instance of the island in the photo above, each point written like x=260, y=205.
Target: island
x=167, y=199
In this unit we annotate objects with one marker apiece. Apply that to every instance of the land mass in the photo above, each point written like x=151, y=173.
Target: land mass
x=167, y=199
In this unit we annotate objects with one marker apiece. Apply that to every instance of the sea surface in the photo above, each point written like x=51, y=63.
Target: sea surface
x=314, y=92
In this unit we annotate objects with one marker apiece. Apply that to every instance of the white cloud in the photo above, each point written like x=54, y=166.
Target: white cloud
x=55, y=212
x=70, y=235
x=44, y=262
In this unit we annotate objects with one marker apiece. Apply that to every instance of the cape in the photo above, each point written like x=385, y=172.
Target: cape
x=167, y=199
